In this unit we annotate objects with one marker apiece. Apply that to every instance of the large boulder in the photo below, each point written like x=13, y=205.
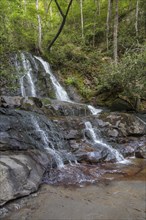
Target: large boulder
x=20, y=173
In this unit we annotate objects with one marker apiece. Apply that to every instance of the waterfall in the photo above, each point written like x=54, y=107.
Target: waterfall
x=28, y=65
x=61, y=94
x=93, y=110
x=97, y=140
x=28, y=73
x=48, y=145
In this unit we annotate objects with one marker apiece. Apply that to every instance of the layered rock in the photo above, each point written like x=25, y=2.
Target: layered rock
x=21, y=173
x=33, y=129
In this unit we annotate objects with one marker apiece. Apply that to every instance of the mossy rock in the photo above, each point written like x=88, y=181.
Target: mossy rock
x=45, y=101
x=142, y=106
x=121, y=105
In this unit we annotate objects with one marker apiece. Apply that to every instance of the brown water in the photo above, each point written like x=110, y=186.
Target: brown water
x=119, y=194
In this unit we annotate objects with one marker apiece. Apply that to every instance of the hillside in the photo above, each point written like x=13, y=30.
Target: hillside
x=99, y=52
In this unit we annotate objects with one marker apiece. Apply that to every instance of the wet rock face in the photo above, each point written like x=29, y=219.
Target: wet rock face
x=44, y=106
x=20, y=173
x=16, y=130
x=29, y=125
x=126, y=130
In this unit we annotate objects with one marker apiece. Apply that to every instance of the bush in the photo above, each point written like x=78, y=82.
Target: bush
x=128, y=78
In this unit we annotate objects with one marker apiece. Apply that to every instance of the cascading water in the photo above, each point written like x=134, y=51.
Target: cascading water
x=46, y=143
x=27, y=71
x=97, y=140
x=93, y=110
x=61, y=94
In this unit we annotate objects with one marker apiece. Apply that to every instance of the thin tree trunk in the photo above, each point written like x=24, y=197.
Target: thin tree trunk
x=130, y=4
x=136, y=15
x=51, y=15
x=62, y=24
x=115, y=40
x=82, y=19
x=39, y=27
x=99, y=7
x=95, y=17
x=107, y=23
x=24, y=5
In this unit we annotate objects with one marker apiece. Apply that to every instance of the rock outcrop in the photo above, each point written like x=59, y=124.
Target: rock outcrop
x=21, y=173
x=37, y=133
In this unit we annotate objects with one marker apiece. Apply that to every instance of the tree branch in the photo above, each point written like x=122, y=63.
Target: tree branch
x=59, y=8
x=61, y=26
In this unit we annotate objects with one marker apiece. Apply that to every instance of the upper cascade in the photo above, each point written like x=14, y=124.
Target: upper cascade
x=24, y=65
x=61, y=94
x=37, y=80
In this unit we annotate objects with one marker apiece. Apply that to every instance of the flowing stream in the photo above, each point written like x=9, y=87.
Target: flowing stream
x=97, y=140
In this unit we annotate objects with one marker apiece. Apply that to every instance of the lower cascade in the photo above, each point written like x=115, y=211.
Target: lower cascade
x=97, y=140
x=48, y=145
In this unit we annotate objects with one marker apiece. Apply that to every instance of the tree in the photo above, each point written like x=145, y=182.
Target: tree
x=39, y=27
x=64, y=16
x=115, y=40
x=82, y=19
x=136, y=16
x=107, y=23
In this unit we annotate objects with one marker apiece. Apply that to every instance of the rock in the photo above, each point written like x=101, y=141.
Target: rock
x=121, y=105
x=44, y=106
x=127, y=150
x=94, y=154
x=20, y=173
x=73, y=94
x=122, y=125
x=141, y=152
x=113, y=133
x=10, y=102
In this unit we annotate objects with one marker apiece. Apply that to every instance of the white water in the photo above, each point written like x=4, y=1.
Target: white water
x=46, y=142
x=28, y=71
x=61, y=94
x=94, y=110
x=96, y=140
x=22, y=86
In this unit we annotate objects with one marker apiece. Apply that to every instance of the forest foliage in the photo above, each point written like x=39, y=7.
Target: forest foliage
x=94, y=35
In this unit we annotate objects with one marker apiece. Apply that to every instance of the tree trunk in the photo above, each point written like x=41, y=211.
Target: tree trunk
x=136, y=15
x=24, y=5
x=115, y=40
x=39, y=27
x=97, y=13
x=62, y=24
x=107, y=23
x=99, y=7
x=82, y=19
